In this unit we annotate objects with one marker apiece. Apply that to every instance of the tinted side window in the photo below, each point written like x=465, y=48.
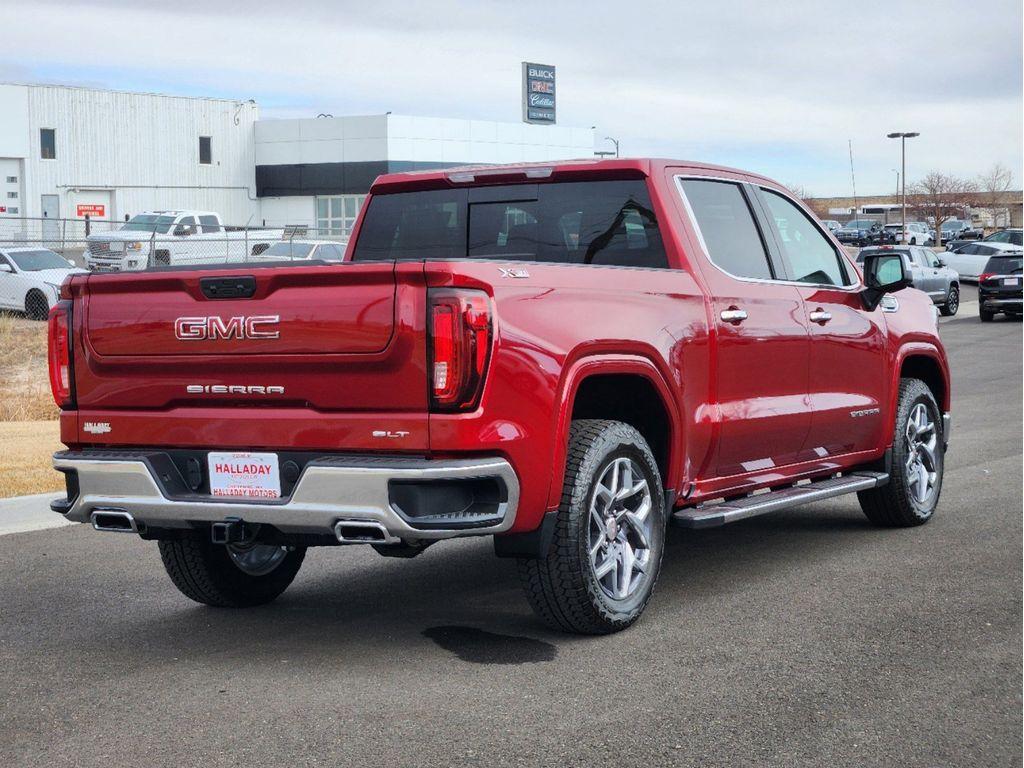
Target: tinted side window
x=608, y=223
x=727, y=227
x=810, y=256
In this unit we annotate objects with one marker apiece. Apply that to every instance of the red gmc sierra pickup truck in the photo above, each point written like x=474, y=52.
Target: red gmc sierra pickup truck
x=566, y=357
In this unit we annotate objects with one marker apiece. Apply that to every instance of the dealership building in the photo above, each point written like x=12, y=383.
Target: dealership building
x=68, y=152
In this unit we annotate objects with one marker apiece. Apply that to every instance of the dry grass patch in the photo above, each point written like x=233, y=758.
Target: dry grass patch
x=26, y=448
x=24, y=380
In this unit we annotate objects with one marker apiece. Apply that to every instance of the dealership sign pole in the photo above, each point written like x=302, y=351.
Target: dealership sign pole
x=538, y=93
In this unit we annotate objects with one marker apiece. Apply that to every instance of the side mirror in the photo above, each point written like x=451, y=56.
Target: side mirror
x=883, y=273
x=941, y=262
x=181, y=230
x=6, y=268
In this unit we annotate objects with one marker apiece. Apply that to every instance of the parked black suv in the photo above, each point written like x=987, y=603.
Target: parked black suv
x=862, y=232
x=1000, y=287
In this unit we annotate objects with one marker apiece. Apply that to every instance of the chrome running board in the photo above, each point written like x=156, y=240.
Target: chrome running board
x=712, y=515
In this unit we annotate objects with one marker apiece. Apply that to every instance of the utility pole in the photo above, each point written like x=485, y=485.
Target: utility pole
x=853, y=179
x=903, y=153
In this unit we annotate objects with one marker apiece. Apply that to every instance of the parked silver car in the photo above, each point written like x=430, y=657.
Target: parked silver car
x=927, y=273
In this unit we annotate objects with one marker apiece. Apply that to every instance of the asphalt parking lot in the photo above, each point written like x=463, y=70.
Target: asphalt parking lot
x=801, y=638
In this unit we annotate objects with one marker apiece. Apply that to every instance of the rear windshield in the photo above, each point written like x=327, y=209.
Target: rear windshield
x=607, y=223
x=1004, y=265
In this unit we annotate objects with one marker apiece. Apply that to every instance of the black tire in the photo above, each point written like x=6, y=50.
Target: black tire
x=204, y=572
x=895, y=505
x=36, y=305
x=913, y=241
x=162, y=258
x=986, y=316
x=952, y=303
x=562, y=587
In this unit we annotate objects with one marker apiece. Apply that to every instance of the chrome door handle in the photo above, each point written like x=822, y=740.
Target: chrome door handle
x=820, y=316
x=733, y=315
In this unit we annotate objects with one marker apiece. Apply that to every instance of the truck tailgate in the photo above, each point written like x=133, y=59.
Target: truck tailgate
x=311, y=342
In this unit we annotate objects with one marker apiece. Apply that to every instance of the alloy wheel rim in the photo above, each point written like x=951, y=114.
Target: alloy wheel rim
x=954, y=300
x=256, y=559
x=620, y=529
x=922, y=462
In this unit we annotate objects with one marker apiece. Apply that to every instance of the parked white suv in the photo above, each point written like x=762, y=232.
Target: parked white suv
x=171, y=238
x=917, y=233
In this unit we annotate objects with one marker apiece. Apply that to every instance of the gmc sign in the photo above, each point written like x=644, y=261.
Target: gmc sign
x=213, y=327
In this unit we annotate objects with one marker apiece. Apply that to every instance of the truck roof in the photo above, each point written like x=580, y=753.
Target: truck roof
x=557, y=169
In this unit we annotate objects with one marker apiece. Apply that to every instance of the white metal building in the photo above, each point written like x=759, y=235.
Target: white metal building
x=66, y=152
x=69, y=150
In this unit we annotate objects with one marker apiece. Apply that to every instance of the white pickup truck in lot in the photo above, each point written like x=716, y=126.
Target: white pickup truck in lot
x=174, y=238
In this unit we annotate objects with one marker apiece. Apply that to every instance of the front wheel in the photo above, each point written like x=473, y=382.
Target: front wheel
x=232, y=575
x=952, y=303
x=918, y=461
x=604, y=559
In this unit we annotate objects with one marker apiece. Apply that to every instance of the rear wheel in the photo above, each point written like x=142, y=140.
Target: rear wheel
x=232, y=575
x=986, y=316
x=36, y=305
x=918, y=461
x=604, y=559
x=952, y=303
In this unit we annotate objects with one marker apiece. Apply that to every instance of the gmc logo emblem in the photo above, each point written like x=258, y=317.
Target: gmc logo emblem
x=214, y=327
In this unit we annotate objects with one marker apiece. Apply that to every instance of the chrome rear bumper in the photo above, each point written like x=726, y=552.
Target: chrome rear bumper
x=328, y=491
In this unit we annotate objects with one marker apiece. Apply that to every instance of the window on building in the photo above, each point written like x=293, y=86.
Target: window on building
x=336, y=215
x=47, y=144
x=12, y=179
x=12, y=195
x=205, y=150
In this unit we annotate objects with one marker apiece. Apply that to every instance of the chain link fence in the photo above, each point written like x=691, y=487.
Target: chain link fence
x=37, y=254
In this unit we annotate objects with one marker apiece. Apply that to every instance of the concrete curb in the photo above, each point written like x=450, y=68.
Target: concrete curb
x=21, y=514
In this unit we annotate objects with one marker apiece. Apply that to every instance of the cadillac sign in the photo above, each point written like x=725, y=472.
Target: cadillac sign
x=538, y=93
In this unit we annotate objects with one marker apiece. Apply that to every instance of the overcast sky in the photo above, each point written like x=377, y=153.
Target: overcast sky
x=776, y=87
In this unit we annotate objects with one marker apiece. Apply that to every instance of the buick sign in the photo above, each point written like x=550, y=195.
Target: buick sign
x=538, y=93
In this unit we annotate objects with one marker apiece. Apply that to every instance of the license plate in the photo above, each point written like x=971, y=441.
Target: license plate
x=1011, y=281
x=244, y=475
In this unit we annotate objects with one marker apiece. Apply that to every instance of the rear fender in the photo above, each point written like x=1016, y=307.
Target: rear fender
x=574, y=376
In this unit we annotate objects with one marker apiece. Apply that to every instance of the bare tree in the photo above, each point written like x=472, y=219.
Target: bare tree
x=993, y=186
x=807, y=197
x=941, y=196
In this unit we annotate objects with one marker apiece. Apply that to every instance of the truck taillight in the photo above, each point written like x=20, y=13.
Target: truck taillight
x=460, y=336
x=59, y=353
x=985, y=276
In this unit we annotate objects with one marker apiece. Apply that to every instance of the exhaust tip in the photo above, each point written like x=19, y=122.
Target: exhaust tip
x=363, y=532
x=113, y=520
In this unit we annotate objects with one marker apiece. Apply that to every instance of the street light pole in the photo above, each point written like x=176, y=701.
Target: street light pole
x=615, y=142
x=903, y=154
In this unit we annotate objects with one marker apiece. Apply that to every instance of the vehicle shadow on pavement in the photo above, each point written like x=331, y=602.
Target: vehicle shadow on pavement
x=456, y=596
